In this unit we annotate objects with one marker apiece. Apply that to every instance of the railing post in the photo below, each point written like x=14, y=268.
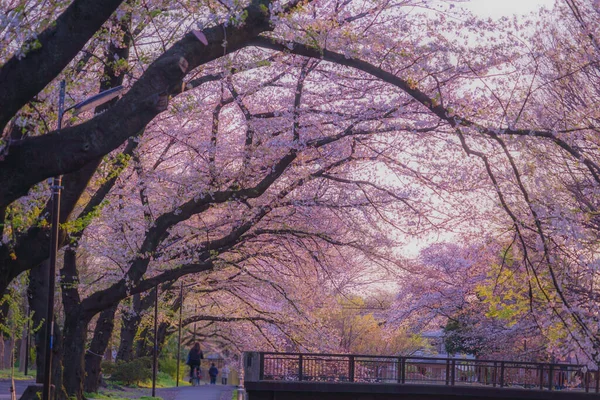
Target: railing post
x=541, y=376
x=404, y=370
x=261, y=374
x=495, y=374
x=597, y=380
x=453, y=373
x=399, y=370
x=587, y=381
x=551, y=377
x=447, y=371
x=351, y=368
x=300, y=368
x=501, y=373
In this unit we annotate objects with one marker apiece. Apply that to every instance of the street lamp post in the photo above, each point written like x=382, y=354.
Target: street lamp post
x=179, y=336
x=56, y=187
x=155, y=353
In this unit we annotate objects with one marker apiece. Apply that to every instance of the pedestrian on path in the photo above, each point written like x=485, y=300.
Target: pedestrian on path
x=213, y=372
x=224, y=375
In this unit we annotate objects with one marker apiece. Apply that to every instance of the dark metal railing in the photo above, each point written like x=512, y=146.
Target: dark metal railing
x=341, y=368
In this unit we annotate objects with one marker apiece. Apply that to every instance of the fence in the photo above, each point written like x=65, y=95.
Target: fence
x=334, y=368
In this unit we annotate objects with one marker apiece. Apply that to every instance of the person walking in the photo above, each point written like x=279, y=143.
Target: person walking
x=193, y=359
x=224, y=375
x=213, y=372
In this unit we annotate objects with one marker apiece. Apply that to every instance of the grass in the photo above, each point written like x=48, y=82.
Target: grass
x=163, y=380
x=104, y=396
x=110, y=396
x=19, y=376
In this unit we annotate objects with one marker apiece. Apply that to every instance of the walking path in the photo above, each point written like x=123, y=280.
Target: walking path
x=202, y=392
x=20, y=387
x=205, y=392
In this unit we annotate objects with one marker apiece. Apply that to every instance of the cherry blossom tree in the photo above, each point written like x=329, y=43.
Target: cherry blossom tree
x=279, y=142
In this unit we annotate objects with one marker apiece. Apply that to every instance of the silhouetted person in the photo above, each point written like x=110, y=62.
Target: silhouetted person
x=213, y=372
x=193, y=360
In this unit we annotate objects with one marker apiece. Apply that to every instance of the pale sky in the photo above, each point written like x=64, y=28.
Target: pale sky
x=500, y=8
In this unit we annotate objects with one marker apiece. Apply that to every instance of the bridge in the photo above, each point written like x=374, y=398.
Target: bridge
x=301, y=376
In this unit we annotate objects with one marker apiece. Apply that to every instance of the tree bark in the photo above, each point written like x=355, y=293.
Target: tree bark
x=21, y=78
x=38, y=298
x=130, y=325
x=75, y=334
x=23, y=351
x=143, y=346
x=93, y=358
x=75, y=328
x=34, y=159
x=57, y=364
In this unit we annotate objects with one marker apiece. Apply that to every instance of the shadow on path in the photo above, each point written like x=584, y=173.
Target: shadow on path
x=21, y=385
x=205, y=392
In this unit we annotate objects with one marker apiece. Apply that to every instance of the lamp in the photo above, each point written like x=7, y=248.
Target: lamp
x=56, y=187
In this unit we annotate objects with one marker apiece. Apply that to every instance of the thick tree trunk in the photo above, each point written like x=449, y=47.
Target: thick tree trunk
x=22, y=352
x=163, y=328
x=8, y=351
x=75, y=328
x=74, y=350
x=38, y=299
x=57, y=364
x=108, y=354
x=143, y=346
x=129, y=325
x=93, y=358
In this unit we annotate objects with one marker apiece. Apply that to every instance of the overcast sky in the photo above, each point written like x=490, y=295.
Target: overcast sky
x=500, y=8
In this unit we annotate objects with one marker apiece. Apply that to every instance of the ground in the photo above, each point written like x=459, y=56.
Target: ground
x=205, y=392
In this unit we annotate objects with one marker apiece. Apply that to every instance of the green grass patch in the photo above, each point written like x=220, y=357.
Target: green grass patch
x=112, y=396
x=104, y=396
x=19, y=376
x=163, y=380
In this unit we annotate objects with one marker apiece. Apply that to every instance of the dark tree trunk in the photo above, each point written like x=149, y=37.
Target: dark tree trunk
x=93, y=358
x=129, y=325
x=57, y=364
x=164, y=327
x=75, y=329
x=143, y=346
x=145, y=349
x=162, y=335
x=74, y=349
x=37, y=294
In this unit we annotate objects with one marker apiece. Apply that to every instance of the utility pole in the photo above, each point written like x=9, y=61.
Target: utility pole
x=155, y=355
x=179, y=338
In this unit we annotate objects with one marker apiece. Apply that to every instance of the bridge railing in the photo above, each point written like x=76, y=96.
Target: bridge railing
x=424, y=370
